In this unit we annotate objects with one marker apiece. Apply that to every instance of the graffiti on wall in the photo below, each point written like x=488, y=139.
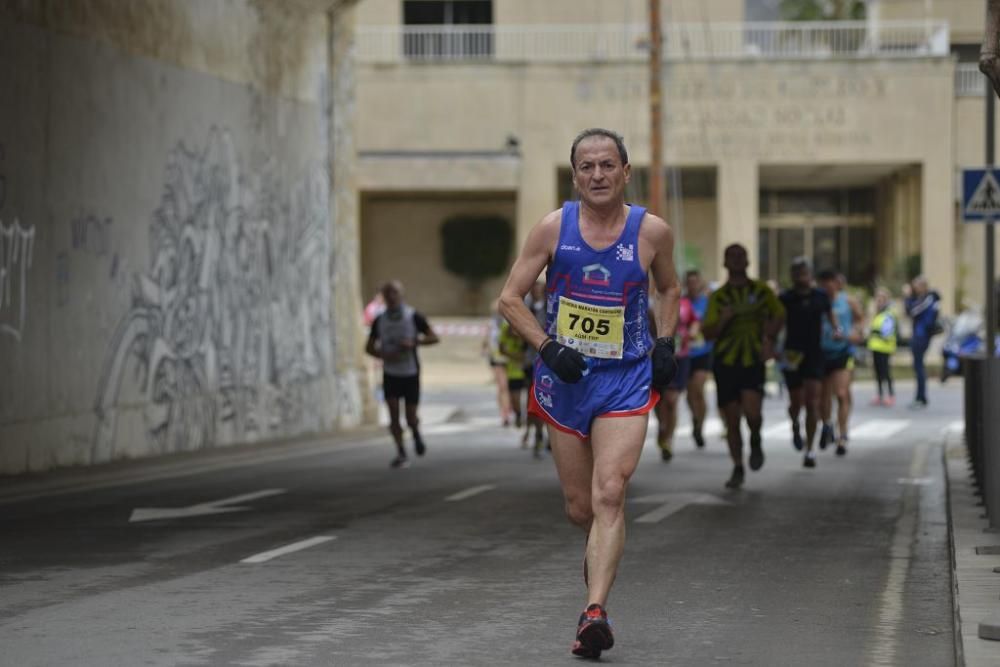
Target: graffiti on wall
x=229, y=328
x=3, y=180
x=17, y=246
x=91, y=234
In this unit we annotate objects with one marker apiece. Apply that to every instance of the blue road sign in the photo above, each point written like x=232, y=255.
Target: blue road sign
x=980, y=195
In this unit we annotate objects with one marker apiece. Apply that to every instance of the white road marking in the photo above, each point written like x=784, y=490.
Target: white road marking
x=145, y=472
x=915, y=481
x=710, y=429
x=778, y=430
x=671, y=503
x=474, y=424
x=288, y=548
x=955, y=427
x=468, y=493
x=213, y=507
x=890, y=617
x=878, y=429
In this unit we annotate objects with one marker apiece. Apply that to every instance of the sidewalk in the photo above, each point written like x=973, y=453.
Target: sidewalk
x=975, y=562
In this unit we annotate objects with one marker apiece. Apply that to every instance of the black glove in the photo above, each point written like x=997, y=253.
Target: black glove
x=664, y=363
x=564, y=361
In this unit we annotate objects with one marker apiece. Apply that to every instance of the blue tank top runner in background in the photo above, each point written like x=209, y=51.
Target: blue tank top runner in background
x=833, y=348
x=598, y=300
x=701, y=347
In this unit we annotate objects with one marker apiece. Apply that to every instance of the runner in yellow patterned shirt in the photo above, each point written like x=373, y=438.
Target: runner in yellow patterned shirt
x=743, y=318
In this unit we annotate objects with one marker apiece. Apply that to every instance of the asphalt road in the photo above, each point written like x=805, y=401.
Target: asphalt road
x=465, y=558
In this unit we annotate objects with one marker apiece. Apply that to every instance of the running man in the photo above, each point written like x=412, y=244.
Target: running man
x=806, y=307
x=513, y=351
x=700, y=354
x=595, y=382
x=394, y=338
x=744, y=317
x=666, y=409
x=537, y=303
x=838, y=355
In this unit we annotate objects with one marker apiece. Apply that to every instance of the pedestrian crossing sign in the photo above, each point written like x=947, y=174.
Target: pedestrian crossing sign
x=980, y=195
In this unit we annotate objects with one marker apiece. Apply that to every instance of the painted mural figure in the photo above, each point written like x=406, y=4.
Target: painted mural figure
x=17, y=247
x=230, y=324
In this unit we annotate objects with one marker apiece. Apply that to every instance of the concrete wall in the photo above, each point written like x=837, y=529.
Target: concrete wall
x=177, y=225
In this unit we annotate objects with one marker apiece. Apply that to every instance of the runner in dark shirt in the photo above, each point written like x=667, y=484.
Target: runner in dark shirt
x=805, y=306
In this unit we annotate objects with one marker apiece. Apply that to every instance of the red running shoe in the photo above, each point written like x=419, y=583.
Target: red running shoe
x=593, y=634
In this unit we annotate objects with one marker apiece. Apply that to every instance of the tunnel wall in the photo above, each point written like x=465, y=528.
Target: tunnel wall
x=178, y=240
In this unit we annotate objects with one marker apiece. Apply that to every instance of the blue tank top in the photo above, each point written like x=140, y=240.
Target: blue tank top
x=702, y=347
x=833, y=348
x=602, y=286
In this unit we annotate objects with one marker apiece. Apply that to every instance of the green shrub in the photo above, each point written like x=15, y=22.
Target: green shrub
x=476, y=248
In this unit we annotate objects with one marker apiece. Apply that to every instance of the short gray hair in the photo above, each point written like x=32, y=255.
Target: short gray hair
x=599, y=132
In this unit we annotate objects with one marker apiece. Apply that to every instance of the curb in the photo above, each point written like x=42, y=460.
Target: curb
x=975, y=583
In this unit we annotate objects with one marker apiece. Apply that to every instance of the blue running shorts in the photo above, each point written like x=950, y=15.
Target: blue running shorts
x=618, y=390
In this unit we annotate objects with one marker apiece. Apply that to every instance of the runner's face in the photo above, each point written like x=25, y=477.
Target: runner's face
x=802, y=277
x=599, y=175
x=831, y=287
x=693, y=284
x=393, y=297
x=736, y=261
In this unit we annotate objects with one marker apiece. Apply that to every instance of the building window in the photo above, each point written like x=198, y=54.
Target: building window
x=834, y=227
x=448, y=29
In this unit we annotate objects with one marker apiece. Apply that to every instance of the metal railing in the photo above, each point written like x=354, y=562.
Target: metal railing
x=969, y=81
x=630, y=42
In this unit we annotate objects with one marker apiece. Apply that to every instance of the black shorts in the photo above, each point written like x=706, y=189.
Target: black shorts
x=731, y=381
x=407, y=388
x=811, y=367
x=516, y=385
x=683, y=374
x=837, y=364
x=701, y=363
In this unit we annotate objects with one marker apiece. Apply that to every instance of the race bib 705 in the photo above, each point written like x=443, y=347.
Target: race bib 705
x=594, y=331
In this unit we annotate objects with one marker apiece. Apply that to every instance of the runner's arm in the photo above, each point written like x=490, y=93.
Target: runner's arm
x=427, y=335
x=774, y=324
x=527, y=267
x=717, y=318
x=834, y=322
x=370, y=347
x=857, y=333
x=664, y=276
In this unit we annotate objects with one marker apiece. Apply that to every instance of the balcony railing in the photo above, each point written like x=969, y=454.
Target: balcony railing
x=630, y=42
x=969, y=81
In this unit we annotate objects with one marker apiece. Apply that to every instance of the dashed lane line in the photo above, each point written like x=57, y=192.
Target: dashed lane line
x=265, y=556
x=468, y=493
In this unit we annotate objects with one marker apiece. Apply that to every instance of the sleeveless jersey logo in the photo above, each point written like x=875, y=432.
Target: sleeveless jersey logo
x=596, y=274
x=625, y=253
x=573, y=248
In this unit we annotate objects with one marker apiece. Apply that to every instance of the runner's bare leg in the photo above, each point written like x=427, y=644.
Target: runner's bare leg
x=617, y=444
